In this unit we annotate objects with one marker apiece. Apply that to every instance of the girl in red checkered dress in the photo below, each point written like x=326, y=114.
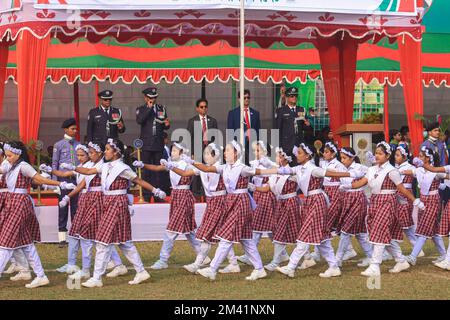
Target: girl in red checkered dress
x=427, y=218
x=405, y=206
x=182, y=210
x=213, y=216
x=287, y=224
x=314, y=212
x=263, y=220
x=444, y=226
x=382, y=222
x=115, y=222
x=20, y=228
x=237, y=226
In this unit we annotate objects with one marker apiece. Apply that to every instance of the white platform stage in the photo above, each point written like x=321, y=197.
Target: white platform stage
x=147, y=224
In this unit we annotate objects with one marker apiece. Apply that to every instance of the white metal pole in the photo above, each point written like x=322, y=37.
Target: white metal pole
x=242, y=70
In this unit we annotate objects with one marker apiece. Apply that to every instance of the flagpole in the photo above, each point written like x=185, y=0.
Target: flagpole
x=242, y=70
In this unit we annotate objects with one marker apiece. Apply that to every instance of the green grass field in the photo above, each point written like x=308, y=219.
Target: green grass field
x=424, y=281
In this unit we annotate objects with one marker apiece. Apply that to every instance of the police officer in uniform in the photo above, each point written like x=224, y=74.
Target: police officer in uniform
x=153, y=119
x=292, y=123
x=105, y=121
x=64, y=152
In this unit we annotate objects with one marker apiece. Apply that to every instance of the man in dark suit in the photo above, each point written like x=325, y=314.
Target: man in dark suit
x=251, y=121
x=200, y=123
x=292, y=123
x=105, y=121
x=153, y=119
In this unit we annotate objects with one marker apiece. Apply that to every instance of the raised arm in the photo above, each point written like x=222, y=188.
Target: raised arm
x=183, y=173
x=153, y=167
x=63, y=174
x=78, y=189
x=401, y=188
x=204, y=167
x=336, y=174
x=40, y=180
x=86, y=171
x=433, y=169
x=144, y=184
x=259, y=172
x=360, y=183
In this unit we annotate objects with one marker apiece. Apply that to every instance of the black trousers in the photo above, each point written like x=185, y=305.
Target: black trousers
x=63, y=213
x=152, y=177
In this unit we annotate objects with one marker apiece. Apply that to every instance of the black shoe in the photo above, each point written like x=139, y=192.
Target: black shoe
x=62, y=244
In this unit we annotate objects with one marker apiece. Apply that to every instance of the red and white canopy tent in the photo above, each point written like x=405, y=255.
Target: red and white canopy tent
x=336, y=28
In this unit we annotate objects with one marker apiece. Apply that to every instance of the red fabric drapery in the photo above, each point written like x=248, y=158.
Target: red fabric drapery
x=4, y=50
x=76, y=107
x=411, y=75
x=31, y=74
x=338, y=62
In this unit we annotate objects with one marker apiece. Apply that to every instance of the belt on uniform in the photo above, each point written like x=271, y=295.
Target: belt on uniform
x=387, y=192
x=115, y=192
x=239, y=191
x=287, y=196
x=408, y=185
x=20, y=191
x=331, y=184
x=314, y=192
x=4, y=190
x=95, y=189
x=218, y=193
x=83, y=191
x=431, y=193
x=355, y=190
x=182, y=187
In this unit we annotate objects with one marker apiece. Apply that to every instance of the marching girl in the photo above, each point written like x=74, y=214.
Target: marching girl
x=287, y=224
x=352, y=221
x=428, y=217
x=444, y=227
x=237, y=226
x=405, y=206
x=382, y=223
x=182, y=211
x=115, y=222
x=215, y=205
x=263, y=219
x=19, y=227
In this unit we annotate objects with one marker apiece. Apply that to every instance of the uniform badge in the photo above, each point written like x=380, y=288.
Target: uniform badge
x=115, y=116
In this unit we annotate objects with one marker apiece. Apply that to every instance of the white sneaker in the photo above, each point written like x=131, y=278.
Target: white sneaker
x=443, y=265
x=80, y=274
x=158, y=265
x=118, y=271
x=284, y=258
x=92, y=283
x=207, y=273
x=421, y=254
x=110, y=265
x=399, y=267
x=38, y=282
x=307, y=263
x=411, y=260
x=244, y=259
x=387, y=256
x=271, y=266
x=315, y=256
x=68, y=269
x=205, y=262
x=231, y=268
x=372, y=271
x=62, y=269
x=364, y=263
x=349, y=254
x=286, y=271
x=193, y=267
x=440, y=259
x=13, y=268
x=331, y=272
x=22, y=276
x=257, y=274
x=140, y=277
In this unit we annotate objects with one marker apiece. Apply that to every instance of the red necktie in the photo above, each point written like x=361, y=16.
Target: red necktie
x=247, y=122
x=204, y=129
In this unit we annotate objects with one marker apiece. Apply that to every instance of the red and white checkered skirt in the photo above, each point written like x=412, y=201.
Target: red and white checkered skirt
x=287, y=224
x=334, y=211
x=212, y=218
x=444, y=226
x=264, y=214
x=404, y=215
x=313, y=225
x=428, y=219
x=182, y=212
x=353, y=214
x=382, y=223
x=88, y=218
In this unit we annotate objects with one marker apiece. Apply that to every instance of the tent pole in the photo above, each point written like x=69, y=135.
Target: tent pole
x=241, y=71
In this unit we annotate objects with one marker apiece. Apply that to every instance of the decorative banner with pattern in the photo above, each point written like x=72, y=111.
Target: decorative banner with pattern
x=385, y=7
x=10, y=5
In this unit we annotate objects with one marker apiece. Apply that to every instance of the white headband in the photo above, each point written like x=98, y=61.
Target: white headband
x=261, y=144
x=94, y=146
x=331, y=146
x=215, y=149
x=427, y=154
x=306, y=149
x=82, y=147
x=402, y=151
x=8, y=147
x=236, y=147
x=347, y=153
x=181, y=147
x=282, y=153
x=386, y=146
x=112, y=144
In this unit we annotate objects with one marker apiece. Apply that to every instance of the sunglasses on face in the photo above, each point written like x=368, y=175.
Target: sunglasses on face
x=203, y=107
x=291, y=96
x=247, y=98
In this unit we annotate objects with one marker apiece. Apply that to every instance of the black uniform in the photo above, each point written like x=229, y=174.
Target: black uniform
x=103, y=124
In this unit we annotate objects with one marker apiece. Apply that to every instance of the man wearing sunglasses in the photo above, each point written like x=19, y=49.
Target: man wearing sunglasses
x=105, y=121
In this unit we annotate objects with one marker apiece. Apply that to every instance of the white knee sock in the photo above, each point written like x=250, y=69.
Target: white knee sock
x=20, y=260
x=232, y=259
x=102, y=258
x=411, y=234
x=365, y=244
x=72, y=252
x=34, y=260
x=300, y=250
x=440, y=246
x=115, y=257
x=5, y=256
x=195, y=244
x=447, y=257
x=278, y=250
x=257, y=237
x=130, y=252
x=251, y=251
x=221, y=253
x=418, y=246
x=205, y=247
x=86, y=254
x=344, y=241
x=167, y=246
x=377, y=254
x=395, y=251
x=326, y=250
